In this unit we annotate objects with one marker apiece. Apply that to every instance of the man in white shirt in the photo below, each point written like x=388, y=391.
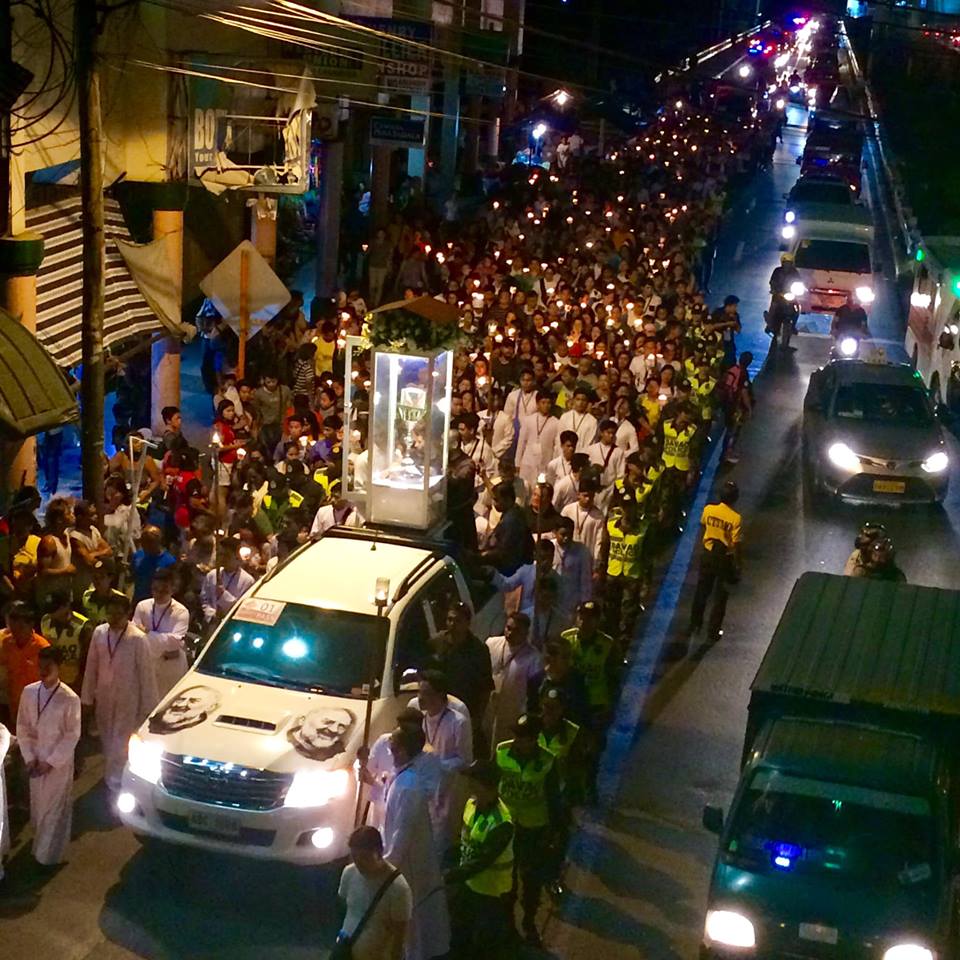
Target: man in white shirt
x=626, y=438
x=573, y=564
x=502, y=436
x=567, y=488
x=515, y=662
x=338, y=513
x=522, y=401
x=165, y=622
x=588, y=523
x=474, y=445
x=580, y=420
x=225, y=584
x=609, y=458
x=538, y=439
x=48, y=730
x=561, y=466
x=449, y=736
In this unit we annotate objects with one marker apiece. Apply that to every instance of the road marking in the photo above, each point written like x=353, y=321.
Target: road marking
x=738, y=253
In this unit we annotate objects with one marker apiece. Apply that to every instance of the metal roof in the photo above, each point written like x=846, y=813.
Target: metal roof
x=851, y=753
x=854, y=640
x=34, y=394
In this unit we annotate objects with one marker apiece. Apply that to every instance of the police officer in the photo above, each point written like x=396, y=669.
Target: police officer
x=719, y=561
x=595, y=656
x=678, y=433
x=530, y=787
x=624, y=546
x=483, y=878
x=69, y=632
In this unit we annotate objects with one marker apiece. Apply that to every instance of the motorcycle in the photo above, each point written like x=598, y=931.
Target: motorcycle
x=781, y=318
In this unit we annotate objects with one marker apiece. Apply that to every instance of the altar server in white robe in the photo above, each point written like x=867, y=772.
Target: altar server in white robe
x=48, y=730
x=120, y=682
x=165, y=621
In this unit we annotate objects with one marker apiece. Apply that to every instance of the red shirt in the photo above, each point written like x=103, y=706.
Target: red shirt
x=227, y=437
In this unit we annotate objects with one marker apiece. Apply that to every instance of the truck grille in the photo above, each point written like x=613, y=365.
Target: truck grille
x=223, y=784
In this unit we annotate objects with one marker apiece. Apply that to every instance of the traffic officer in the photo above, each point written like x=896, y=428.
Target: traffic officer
x=483, y=877
x=561, y=736
x=704, y=384
x=530, y=787
x=69, y=632
x=719, y=561
x=624, y=546
x=678, y=433
x=595, y=656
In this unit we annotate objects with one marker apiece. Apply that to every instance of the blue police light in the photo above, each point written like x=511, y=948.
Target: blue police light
x=785, y=855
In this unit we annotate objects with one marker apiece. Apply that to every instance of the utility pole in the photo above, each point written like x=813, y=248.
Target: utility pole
x=94, y=279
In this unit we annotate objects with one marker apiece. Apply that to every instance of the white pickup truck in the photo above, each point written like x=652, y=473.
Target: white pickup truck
x=833, y=263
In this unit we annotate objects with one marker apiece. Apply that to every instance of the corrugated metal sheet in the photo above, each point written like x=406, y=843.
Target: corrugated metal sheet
x=853, y=640
x=34, y=395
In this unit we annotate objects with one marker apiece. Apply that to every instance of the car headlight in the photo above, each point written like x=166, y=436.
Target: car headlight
x=316, y=788
x=789, y=216
x=936, y=462
x=788, y=232
x=865, y=294
x=733, y=929
x=908, y=951
x=843, y=457
x=143, y=758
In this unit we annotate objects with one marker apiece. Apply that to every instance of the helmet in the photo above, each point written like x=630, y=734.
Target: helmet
x=731, y=493
x=786, y=258
x=882, y=551
x=869, y=532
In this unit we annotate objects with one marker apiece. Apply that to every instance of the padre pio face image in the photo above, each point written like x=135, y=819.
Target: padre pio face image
x=322, y=733
x=186, y=709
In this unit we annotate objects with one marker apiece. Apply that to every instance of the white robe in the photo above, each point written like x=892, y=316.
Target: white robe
x=234, y=585
x=584, y=425
x=124, y=689
x=502, y=439
x=165, y=629
x=5, y=740
x=325, y=519
x=538, y=437
x=49, y=730
x=512, y=670
x=557, y=469
x=587, y=528
x=410, y=846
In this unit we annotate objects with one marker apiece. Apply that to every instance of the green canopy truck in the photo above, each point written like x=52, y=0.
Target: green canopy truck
x=841, y=840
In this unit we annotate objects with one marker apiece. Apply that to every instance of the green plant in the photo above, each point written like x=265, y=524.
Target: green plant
x=402, y=330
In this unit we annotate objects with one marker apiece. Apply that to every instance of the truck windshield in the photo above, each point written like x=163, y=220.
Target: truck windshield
x=795, y=824
x=834, y=255
x=882, y=403
x=307, y=648
x=817, y=191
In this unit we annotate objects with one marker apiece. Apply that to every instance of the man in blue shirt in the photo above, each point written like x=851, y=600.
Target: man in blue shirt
x=151, y=556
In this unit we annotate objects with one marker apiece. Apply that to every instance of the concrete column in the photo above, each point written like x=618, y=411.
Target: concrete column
x=165, y=353
x=417, y=159
x=450, y=127
x=20, y=258
x=328, y=223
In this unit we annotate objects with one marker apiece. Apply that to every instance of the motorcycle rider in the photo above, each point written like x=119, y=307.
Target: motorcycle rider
x=858, y=561
x=782, y=314
x=882, y=564
x=850, y=321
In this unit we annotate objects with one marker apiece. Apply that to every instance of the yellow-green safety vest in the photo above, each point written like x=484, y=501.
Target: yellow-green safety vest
x=676, y=446
x=561, y=742
x=591, y=661
x=67, y=641
x=703, y=392
x=626, y=550
x=497, y=879
x=523, y=788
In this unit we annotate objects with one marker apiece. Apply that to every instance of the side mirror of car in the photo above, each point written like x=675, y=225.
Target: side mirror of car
x=799, y=161
x=713, y=819
x=408, y=681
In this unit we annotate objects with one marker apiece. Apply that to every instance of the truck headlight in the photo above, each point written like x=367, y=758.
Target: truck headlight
x=789, y=216
x=865, y=294
x=143, y=758
x=843, y=457
x=316, y=788
x=788, y=232
x=733, y=929
x=798, y=288
x=849, y=346
x=936, y=462
x=908, y=951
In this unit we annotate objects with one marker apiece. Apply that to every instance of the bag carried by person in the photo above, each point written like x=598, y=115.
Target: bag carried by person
x=343, y=947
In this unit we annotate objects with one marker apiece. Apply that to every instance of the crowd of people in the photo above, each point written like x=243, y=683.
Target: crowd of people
x=592, y=374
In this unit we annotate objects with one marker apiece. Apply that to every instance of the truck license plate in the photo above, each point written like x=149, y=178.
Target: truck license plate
x=889, y=486
x=219, y=823
x=818, y=932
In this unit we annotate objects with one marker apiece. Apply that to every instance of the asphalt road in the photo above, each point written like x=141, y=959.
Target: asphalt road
x=640, y=870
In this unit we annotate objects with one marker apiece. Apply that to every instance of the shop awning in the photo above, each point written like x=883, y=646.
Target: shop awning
x=34, y=394
x=60, y=283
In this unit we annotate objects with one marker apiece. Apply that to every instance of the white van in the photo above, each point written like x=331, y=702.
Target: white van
x=833, y=264
x=254, y=750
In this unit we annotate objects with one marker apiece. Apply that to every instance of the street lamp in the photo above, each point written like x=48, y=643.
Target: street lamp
x=381, y=597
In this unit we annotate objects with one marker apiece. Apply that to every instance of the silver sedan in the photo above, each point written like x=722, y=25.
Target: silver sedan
x=870, y=435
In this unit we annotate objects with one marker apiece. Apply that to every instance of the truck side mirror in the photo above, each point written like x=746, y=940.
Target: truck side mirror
x=713, y=819
x=407, y=681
